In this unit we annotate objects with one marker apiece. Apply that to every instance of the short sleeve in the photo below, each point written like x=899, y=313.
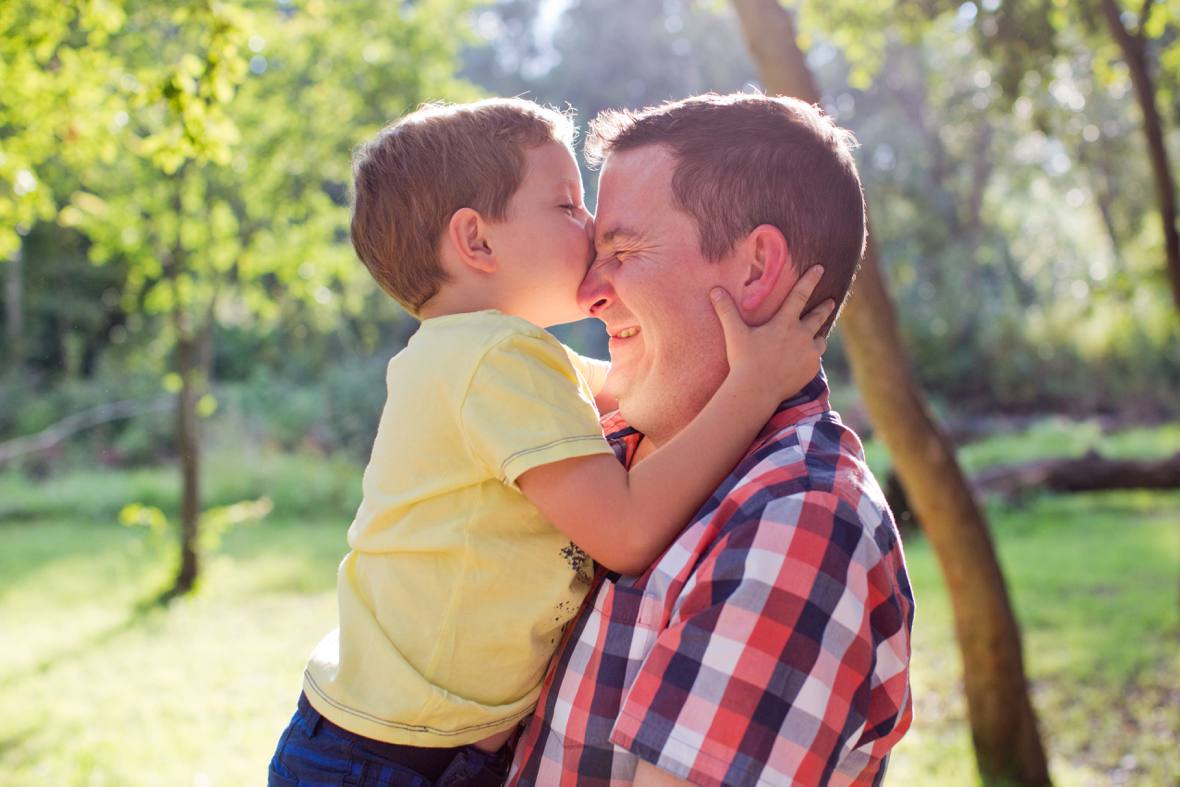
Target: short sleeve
x=525, y=407
x=593, y=370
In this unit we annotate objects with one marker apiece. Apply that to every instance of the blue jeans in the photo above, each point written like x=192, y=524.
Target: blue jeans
x=313, y=752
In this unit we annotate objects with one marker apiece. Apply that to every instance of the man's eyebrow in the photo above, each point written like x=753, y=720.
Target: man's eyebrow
x=619, y=233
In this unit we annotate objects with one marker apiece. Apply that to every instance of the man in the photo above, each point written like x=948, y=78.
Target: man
x=770, y=643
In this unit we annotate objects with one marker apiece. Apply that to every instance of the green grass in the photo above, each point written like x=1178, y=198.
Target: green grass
x=1093, y=579
x=98, y=686
x=107, y=689
x=1062, y=438
x=299, y=485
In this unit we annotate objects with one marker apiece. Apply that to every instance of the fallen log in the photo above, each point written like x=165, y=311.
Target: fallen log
x=1089, y=473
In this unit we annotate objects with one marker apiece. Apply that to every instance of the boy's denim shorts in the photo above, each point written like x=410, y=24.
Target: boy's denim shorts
x=313, y=752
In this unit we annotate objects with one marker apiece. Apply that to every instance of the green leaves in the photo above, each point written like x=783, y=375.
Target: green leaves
x=218, y=163
x=184, y=108
x=215, y=522
x=140, y=515
x=56, y=105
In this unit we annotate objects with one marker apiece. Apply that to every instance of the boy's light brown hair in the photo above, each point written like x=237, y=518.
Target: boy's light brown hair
x=411, y=178
x=743, y=160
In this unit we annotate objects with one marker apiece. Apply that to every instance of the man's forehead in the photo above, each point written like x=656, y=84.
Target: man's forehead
x=633, y=188
x=647, y=164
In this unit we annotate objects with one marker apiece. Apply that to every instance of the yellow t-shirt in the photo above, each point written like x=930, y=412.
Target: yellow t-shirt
x=454, y=595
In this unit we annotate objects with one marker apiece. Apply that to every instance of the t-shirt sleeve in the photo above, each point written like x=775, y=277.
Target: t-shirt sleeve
x=526, y=406
x=593, y=370
x=763, y=674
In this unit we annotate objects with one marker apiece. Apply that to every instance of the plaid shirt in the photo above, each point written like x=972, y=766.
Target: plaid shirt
x=768, y=645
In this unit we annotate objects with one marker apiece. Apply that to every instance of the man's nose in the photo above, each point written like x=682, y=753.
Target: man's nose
x=595, y=292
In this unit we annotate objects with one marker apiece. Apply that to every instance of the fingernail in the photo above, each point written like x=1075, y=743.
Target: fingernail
x=819, y=268
x=716, y=293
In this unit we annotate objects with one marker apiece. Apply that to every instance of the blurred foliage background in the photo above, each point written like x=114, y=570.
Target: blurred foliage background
x=173, y=222
x=1018, y=227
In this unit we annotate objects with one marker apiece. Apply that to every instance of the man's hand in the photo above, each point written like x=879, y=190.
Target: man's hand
x=783, y=355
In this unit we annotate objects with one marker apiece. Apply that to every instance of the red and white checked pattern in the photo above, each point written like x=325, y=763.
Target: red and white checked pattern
x=769, y=645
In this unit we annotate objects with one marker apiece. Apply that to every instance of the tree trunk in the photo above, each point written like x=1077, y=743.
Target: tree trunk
x=1003, y=724
x=1134, y=48
x=14, y=310
x=188, y=445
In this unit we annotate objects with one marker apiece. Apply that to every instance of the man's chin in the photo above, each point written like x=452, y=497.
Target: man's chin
x=615, y=384
x=638, y=415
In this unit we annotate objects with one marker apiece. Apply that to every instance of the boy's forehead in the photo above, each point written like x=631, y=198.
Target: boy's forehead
x=554, y=162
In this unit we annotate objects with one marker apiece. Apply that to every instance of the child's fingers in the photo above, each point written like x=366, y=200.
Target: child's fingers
x=732, y=323
x=800, y=294
x=816, y=318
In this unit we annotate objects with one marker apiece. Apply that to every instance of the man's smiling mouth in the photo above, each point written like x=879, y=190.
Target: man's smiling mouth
x=626, y=333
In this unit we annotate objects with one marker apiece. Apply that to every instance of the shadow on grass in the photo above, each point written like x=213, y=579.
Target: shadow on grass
x=16, y=741
x=156, y=602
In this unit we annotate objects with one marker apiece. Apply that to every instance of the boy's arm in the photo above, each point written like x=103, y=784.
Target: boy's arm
x=597, y=372
x=625, y=520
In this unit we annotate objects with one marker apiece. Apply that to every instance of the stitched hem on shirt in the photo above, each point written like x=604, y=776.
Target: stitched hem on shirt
x=526, y=452
x=408, y=727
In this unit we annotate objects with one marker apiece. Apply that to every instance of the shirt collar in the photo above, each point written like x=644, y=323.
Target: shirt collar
x=810, y=401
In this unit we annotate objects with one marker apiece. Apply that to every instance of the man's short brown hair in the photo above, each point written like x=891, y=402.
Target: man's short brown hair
x=412, y=177
x=744, y=160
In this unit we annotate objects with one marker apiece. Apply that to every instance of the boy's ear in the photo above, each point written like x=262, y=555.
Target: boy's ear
x=768, y=274
x=467, y=236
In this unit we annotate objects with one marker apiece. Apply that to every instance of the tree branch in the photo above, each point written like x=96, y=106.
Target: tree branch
x=1134, y=49
x=1144, y=13
x=71, y=425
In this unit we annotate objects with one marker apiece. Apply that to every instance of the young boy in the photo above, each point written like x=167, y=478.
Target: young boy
x=490, y=481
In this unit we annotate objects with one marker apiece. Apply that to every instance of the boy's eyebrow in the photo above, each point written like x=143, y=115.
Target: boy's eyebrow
x=571, y=187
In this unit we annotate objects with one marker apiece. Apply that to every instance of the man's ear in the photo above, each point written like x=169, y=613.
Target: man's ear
x=768, y=273
x=466, y=235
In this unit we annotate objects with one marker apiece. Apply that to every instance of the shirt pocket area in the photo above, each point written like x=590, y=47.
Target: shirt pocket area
x=628, y=621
